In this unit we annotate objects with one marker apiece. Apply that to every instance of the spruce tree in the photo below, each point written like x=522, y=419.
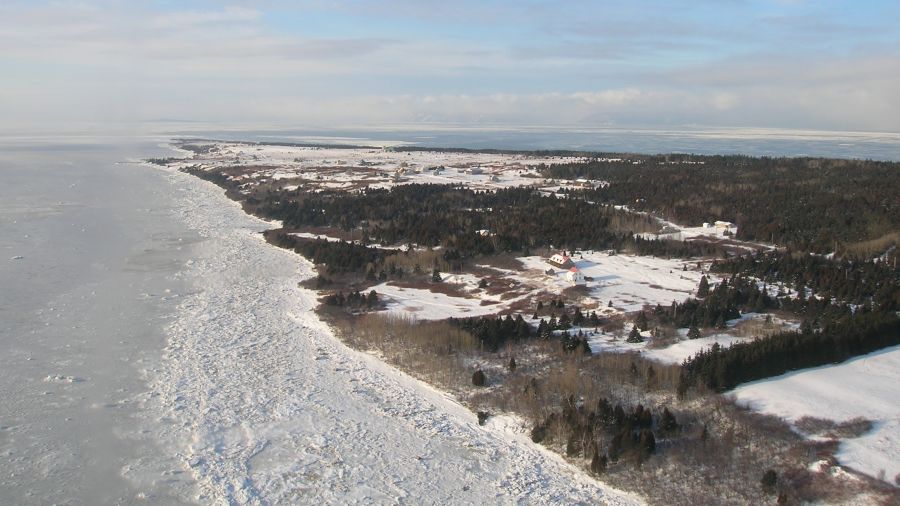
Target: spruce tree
x=693, y=332
x=667, y=423
x=578, y=319
x=703, y=289
x=769, y=480
x=564, y=321
x=479, y=379
x=634, y=336
x=641, y=321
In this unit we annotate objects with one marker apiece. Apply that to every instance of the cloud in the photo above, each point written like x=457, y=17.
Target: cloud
x=194, y=18
x=496, y=63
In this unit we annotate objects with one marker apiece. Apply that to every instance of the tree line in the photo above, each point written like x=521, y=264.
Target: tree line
x=720, y=369
x=852, y=282
x=469, y=223
x=810, y=204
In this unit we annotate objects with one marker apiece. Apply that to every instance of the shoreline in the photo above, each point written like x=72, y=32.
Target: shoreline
x=235, y=197
x=424, y=407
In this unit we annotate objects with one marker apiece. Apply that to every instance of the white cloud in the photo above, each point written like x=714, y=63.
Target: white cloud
x=192, y=18
x=118, y=60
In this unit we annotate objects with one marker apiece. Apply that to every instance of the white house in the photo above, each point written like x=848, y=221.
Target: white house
x=474, y=170
x=575, y=277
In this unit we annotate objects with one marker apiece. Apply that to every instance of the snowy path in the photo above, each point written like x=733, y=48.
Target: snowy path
x=266, y=406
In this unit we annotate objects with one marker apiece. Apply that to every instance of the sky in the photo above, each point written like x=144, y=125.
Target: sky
x=791, y=64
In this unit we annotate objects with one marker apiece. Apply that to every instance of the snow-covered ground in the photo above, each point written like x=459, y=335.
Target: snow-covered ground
x=346, y=168
x=867, y=387
x=673, y=354
x=684, y=347
x=264, y=405
x=629, y=281
x=423, y=304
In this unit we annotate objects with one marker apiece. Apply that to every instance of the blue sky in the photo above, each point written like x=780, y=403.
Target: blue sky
x=792, y=64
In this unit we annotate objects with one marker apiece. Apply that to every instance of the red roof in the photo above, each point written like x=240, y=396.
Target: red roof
x=573, y=269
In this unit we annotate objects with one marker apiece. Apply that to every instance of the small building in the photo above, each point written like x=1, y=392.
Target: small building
x=724, y=225
x=575, y=277
x=474, y=170
x=560, y=261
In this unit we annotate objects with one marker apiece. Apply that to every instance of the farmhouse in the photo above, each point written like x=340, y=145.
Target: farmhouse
x=575, y=277
x=561, y=261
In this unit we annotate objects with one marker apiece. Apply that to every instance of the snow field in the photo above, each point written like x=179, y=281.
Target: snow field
x=629, y=281
x=866, y=386
x=339, y=168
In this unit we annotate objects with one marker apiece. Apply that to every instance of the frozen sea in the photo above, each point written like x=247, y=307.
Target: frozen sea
x=91, y=252
x=704, y=141
x=157, y=351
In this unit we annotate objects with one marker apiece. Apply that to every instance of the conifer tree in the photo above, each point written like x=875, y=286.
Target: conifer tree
x=641, y=321
x=693, y=332
x=479, y=379
x=578, y=319
x=634, y=336
x=667, y=423
x=703, y=289
x=564, y=321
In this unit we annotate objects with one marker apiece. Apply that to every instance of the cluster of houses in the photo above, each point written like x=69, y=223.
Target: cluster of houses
x=573, y=275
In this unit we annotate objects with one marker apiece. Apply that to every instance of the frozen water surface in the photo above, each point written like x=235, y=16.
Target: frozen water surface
x=83, y=308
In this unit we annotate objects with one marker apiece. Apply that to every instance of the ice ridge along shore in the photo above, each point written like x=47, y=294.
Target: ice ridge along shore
x=262, y=403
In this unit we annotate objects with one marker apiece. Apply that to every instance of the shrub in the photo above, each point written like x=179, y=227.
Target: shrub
x=479, y=379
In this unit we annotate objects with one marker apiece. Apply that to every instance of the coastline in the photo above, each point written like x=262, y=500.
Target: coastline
x=233, y=379
x=396, y=339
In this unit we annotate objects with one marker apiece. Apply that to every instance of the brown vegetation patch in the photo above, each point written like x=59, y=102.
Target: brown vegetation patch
x=827, y=428
x=866, y=249
x=758, y=327
x=448, y=289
